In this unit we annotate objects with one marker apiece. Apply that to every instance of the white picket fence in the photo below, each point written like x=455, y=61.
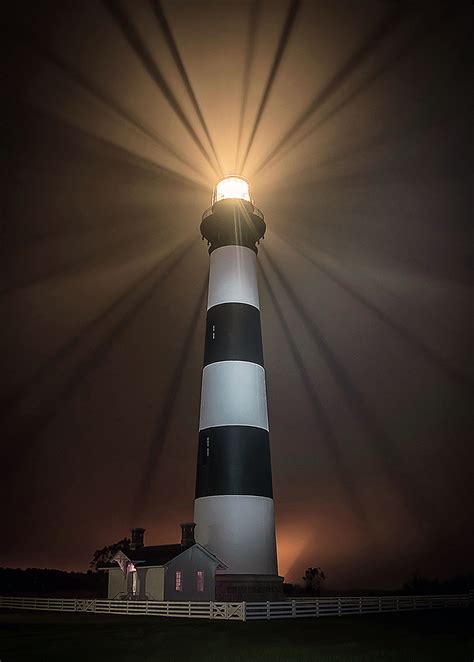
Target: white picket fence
x=301, y=608
x=245, y=611
x=233, y=611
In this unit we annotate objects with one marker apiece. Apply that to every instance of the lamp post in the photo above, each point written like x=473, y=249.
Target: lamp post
x=233, y=507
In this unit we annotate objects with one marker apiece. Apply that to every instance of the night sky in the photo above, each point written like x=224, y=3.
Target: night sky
x=352, y=123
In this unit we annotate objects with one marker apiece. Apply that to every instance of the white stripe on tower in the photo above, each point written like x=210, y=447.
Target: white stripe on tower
x=233, y=393
x=233, y=507
x=233, y=277
x=240, y=530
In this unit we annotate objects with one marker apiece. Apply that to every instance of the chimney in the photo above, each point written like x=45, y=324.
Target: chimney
x=187, y=534
x=137, y=538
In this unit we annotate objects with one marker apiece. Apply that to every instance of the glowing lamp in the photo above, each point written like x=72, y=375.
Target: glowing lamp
x=232, y=187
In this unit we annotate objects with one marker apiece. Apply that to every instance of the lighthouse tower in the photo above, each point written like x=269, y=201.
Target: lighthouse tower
x=233, y=507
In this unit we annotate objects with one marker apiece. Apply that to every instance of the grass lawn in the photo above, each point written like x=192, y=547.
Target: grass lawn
x=445, y=635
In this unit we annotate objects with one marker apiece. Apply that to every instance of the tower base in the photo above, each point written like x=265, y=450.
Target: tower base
x=249, y=588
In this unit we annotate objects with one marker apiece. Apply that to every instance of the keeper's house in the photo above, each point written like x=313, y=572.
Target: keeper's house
x=184, y=571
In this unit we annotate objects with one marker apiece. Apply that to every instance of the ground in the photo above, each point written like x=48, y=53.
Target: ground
x=445, y=635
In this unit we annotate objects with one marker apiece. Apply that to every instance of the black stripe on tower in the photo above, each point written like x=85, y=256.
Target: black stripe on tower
x=234, y=459
x=233, y=333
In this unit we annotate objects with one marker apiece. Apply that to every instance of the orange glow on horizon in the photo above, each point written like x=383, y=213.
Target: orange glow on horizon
x=291, y=543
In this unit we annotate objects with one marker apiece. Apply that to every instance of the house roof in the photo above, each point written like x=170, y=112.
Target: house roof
x=156, y=554
x=160, y=555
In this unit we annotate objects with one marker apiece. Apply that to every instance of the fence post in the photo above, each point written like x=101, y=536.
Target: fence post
x=380, y=604
x=339, y=606
x=317, y=607
x=189, y=609
x=211, y=610
x=268, y=610
x=293, y=609
x=244, y=611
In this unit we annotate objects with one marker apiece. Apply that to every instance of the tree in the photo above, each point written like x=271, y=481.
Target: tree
x=313, y=579
x=420, y=585
x=106, y=554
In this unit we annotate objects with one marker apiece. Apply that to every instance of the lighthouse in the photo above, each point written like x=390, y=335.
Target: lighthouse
x=233, y=507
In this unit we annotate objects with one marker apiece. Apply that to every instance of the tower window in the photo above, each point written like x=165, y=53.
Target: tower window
x=179, y=580
x=204, y=450
x=200, y=581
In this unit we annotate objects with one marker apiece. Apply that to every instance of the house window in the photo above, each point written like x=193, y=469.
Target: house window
x=179, y=580
x=200, y=581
